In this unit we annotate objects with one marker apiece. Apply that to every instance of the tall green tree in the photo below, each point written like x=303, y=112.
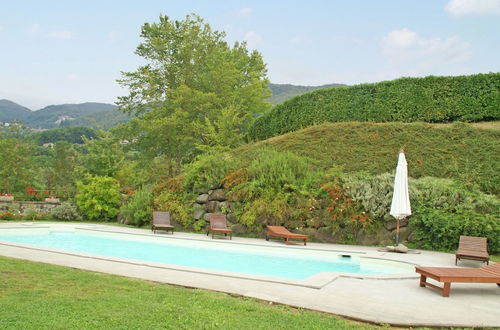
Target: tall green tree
x=17, y=166
x=103, y=157
x=195, y=91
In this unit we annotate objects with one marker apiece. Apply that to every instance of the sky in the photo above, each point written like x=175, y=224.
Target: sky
x=55, y=52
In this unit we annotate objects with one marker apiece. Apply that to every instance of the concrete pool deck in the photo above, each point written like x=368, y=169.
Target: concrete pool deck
x=397, y=300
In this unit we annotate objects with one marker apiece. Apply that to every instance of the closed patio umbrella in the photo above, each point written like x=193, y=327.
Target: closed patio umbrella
x=400, y=206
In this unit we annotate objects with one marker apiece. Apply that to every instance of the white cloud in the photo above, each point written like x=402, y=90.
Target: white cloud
x=400, y=38
x=61, y=35
x=245, y=11
x=474, y=7
x=253, y=39
x=407, y=46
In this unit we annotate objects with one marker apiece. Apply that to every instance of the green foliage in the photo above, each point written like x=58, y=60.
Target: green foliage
x=441, y=229
x=275, y=189
x=208, y=171
x=66, y=211
x=192, y=78
x=61, y=174
x=139, y=209
x=17, y=165
x=104, y=156
x=430, y=99
x=67, y=134
x=177, y=205
x=98, y=197
x=460, y=152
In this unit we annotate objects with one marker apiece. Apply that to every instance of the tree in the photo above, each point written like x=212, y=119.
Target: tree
x=16, y=172
x=98, y=197
x=104, y=156
x=192, y=80
x=62, y=169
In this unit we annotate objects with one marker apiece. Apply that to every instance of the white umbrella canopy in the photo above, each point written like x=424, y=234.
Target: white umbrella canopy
x=400, y=206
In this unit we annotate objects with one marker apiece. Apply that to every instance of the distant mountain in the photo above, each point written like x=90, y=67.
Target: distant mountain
x=10, y=111
x=106, y=116
x=55, y=116
x=283, y=92
x=102, y=119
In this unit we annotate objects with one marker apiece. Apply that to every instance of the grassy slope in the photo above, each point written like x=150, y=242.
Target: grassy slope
x=40, y=296
x=449, y=151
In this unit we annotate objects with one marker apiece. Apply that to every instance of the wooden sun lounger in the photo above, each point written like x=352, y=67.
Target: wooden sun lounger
x=161, y=220
x=447, y=275
x=473, y=248
x=218, y=224
x=279, y=231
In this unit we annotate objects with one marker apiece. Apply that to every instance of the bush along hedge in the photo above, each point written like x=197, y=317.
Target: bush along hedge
x=279, y=187
x=430, y=99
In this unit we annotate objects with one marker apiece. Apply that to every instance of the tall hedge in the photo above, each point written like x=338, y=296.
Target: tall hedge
x=430, y=99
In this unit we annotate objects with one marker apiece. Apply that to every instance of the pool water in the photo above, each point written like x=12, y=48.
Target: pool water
x=248, y=260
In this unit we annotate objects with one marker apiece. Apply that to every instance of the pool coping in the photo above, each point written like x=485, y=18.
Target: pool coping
x=395, y=301
x=316, y=281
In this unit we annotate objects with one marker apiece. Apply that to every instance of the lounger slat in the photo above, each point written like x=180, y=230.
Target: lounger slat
x=280, y=231
x=448, y=275
x=473, y=248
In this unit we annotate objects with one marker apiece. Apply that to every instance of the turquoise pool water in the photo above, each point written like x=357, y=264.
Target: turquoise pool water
x=246, y=261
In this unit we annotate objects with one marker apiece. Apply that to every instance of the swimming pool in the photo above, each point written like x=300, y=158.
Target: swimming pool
x=283, y=262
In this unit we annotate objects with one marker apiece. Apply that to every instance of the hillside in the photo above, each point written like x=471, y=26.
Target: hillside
x=100, y=120
x=10, y=111
x=55, y=115
x=283, y=92
x=458, y=151
x=430, y=99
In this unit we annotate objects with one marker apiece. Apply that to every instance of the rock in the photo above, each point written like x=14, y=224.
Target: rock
x=217, y=195
x=381, y=236
x=225, y=205
x=212, y=206
x=390, y=248
x=202, y=199
x=392, y=224
x=238, y=228
x=200, y=190
x=206, y=217
x=198, y=213
x=401, y=248
x=231, y=218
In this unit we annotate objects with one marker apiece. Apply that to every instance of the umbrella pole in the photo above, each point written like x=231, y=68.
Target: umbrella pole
x=397, y=232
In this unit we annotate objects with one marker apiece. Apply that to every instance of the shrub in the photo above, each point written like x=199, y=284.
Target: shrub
x=66, y=212
x=439, y=229
x=176, y=205
x=32, y=215
x=98, y=198
x=139, y=209
x=208, y=170
x=429, y=99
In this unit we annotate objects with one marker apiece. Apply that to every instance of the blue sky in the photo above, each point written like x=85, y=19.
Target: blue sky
x=55, y=52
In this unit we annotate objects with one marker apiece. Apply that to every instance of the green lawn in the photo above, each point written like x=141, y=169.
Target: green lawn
x=40, y=296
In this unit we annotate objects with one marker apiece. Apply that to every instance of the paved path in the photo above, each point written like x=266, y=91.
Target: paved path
x=397, y=301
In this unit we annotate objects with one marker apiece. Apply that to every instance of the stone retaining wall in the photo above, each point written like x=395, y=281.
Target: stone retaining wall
x=215, y=201
x=22, y=207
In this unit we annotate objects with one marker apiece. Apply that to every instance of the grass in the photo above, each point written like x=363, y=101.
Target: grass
x=40, y=296
x=458, y=151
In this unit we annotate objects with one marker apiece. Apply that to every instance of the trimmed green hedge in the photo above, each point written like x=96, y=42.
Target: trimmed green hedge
x=439, y=229
x=430, y=99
